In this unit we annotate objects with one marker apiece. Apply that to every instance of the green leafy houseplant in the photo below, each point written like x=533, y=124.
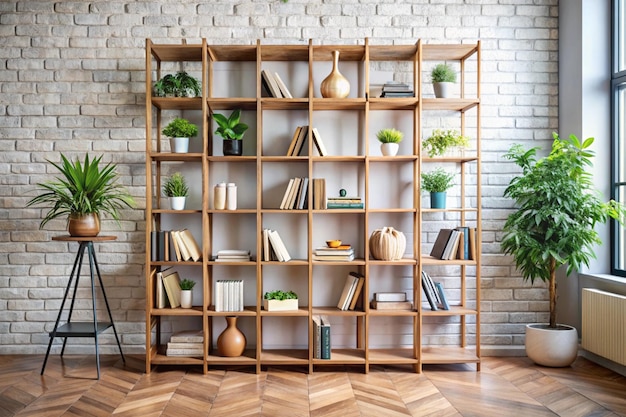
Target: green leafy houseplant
x=557, y=210
x=443, y=73
x=280, y=295
x=441, y=140
x=437, y=181
x=179, y=85
x=180, y=128
x=187, y=284
x=389, y=135
x=83, y=188
x=176, y=186
x=230, y=128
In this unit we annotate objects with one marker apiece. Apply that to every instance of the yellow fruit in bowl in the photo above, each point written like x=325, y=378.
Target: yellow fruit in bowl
x=333, y=243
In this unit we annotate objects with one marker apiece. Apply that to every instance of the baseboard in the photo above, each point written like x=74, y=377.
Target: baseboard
x=613, y=366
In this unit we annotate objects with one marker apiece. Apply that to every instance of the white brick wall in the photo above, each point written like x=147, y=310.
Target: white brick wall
x=71, y=80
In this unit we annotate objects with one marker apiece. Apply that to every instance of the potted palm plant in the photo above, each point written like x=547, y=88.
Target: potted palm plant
x=440, y=141
x=389, y=141
x=231, y=130
x=82, y=194
x=553, y=225
x=179, y=131
x=437, y=182
x=176, y=189
x=442, y=76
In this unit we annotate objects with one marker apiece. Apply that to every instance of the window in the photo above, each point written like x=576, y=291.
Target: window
x=618, y=90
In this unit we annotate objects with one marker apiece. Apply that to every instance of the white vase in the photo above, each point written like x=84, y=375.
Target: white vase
x=551, y=347
x=177, y=203
x=389, y=149
x=186, y=298
x=179, y=145
x=443, y=90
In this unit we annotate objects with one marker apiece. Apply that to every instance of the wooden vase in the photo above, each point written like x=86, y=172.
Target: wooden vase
x=335, y=85
x=83, y=225
x=231, y=342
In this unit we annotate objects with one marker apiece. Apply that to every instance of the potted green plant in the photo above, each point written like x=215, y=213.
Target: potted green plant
x=82, y=194
x=179, y=131
x=175, y=187
x=440, y=141
x=442, y=76
x=437, y=182
x=389, y=139
x=280, y=300
x=166, y=86
x=186, y=292
x=231, y=130
x=557, y=209
x=179, y=85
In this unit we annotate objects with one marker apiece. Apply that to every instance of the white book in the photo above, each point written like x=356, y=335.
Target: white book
x=161, y=297
x=283, y=204
x=187, y=336
x=184, y=352
x=219, y=296
x=294, y=193
x=184, y=345
x=266, y=245
x=283, y=87
x=231, y=252
x=447, y=252
x=241, y=303
x=390, y=296
x=317, y=140
x=271, y=83
x=279, y=247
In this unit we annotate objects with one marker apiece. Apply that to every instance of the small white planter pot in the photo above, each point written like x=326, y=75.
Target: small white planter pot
x=179, y=145
x=443, y=90
x=177, y=203
x=280, y=305
x=186, y=298
x=551, y=347
x=389, y=149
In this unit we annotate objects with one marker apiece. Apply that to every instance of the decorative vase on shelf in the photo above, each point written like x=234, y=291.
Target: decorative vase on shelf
x=335, y=85
x=231, y=342
x=389, y=149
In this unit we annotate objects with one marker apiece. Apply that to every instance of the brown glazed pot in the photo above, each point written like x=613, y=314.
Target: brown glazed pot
x=231, y=342
x=84, y=225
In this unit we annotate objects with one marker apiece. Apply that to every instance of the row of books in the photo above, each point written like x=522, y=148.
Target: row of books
x=351, y=291
x=229, y=295
x=390, y=301
x=434, y=292
x=299, y=139
x=167, y=289
x=174, y=245
x=274, y=85
x=458, y=243
x=232, y=255
x=274, y=248
x=343, y=253
x=344, y=202
x=295, y=196
x=321, y=337
x=397, y=89
x=186, y=343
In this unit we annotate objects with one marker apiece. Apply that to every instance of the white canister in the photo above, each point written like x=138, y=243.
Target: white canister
x=231, y=196
x=219, y=196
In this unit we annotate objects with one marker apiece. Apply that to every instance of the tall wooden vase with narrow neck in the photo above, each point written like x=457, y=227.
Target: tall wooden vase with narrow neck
x=335, y=85
x=231, y=342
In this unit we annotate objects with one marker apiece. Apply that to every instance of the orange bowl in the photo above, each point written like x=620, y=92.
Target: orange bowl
x=333, y=243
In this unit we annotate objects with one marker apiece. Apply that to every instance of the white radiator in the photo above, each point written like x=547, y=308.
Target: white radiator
x=604, y=324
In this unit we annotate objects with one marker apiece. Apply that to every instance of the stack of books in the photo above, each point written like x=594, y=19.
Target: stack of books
x=274, y=85
x=299, y=139
x=229, y=295
x=390, y=301
x=295, y=196
x=434, y=292
x=232, y=255
x=321, y=337
x=351, y=291
x=186, y=343
x=397, y=89
x=459, y=243
x=344, y=203
x=174, y=245
x=274, y=248
x=342, y=253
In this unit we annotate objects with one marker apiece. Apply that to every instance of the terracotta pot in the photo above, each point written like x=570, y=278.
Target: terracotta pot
x=335, y=85
x=231, y=342
x=83, y=225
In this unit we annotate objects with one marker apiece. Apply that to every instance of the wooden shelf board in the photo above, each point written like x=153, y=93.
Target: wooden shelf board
x=177, y=103
x=339, y=104
x=339, y=158
x=444, y=52
x=232, y=52
x=229, y=159
x=429, y=260
x=178, y=263
x=273, y=103
x=452, y=210
x=443, y=355
x=284, y=53
x=403, y=261
x=397, y=53
x=403, y=313
x=247, y=358
x=336, y=211
x=238, y=211
x=231, y=103
x=170, y=211
x=346, y=52
x=397, y=158
x=354, y=262
x=161, y=359
x=451, y=104
x=176, y=157
x=393, y=103
x=343, y=356
x=453, y=159
x=454, y=311
x=284, y=356
x=194, y=311
x=248, y=311
x=284, y=158
x=177, y=52
x=391, y=356
x=297, y=262
x=334, y=311
x=302, y=311
x=391, y=210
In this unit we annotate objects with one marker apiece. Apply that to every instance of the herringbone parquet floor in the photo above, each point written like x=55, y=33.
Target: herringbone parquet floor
x=505, y=387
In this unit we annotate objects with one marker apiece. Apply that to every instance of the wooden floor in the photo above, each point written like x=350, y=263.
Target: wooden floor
x=504, y=387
